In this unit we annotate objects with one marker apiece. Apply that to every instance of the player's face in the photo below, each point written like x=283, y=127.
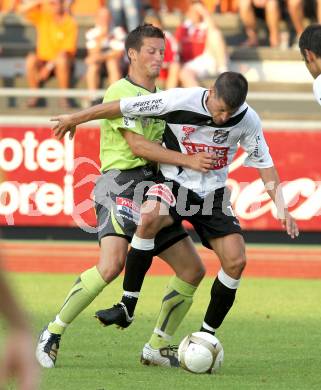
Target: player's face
x=219, y=110
x=150, y=57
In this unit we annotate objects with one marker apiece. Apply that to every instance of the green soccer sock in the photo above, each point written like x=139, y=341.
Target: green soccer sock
x=176, y=303
x=84, y=291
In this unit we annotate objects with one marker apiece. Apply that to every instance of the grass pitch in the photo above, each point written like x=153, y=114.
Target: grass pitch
x=271, y=338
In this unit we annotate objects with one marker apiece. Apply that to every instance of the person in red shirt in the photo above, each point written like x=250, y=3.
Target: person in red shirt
x=202, y=47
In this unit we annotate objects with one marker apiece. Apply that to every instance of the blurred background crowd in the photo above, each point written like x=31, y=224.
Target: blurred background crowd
x=92, y=33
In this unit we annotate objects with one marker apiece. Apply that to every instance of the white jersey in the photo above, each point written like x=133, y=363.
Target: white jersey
x=317, y=89
x=190, y=129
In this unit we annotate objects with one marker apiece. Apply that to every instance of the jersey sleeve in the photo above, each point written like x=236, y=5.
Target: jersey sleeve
x=127, y=121
x=154, y=105
x=317, y=89
x=254, y=144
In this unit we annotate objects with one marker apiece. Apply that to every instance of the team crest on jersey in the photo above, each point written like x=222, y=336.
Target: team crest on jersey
x=220, y=136
x=188, y=130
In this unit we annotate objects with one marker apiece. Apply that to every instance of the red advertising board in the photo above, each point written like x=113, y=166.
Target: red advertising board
x=46, y=182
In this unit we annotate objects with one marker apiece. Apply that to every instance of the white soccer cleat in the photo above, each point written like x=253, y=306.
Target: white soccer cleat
x=47, y=348
x=166, y=356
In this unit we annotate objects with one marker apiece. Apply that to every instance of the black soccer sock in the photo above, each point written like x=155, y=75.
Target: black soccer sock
x=138, y=263
x=222, y=298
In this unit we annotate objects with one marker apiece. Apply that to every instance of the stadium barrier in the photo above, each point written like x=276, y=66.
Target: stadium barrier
x=46, y=182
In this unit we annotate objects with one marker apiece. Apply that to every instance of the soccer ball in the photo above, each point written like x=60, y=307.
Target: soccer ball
x=200, y=353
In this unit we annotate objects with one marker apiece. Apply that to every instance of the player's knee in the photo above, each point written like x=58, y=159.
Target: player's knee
x=236, y=266
x=193, y=275
x=109, y=270
x=150, y=224
x=199, y=274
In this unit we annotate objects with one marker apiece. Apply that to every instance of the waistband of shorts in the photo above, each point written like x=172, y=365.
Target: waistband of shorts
x=133, y=170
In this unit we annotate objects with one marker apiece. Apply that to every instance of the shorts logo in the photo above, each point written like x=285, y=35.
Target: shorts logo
x=163, y=192
x=128, y=209
x=220, y=136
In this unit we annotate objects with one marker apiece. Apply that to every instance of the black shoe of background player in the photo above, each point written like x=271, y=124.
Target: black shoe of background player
x=117, y=315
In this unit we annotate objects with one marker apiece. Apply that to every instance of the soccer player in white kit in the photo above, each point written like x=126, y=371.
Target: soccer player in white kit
x=310, y=47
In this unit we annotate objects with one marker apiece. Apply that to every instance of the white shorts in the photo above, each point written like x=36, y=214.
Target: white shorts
x=203, y=66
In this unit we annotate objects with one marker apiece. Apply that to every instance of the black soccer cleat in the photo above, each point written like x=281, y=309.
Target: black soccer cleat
x=116, y=315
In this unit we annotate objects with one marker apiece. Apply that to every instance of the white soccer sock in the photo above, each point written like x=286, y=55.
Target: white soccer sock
x=228, y=282
x=144, y=244
x=207, y=327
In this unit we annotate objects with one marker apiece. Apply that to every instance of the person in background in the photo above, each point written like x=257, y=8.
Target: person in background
x=105, y=49
x=269, y=10
x=9, y=5
x=125, y=13
x=56, y=45
x=296, y=9
x=18, y=359
x=202, y=48
x=169, y=74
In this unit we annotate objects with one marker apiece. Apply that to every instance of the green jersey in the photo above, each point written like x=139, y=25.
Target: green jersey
x=115, y=152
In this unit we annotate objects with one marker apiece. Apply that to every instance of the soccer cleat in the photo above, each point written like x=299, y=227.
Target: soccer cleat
x=166, y=356
x=47, y=348
x=117, y=315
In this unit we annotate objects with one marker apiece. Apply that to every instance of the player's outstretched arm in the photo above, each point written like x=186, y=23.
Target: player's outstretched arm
x=69, y=122
x=153, y=151
x=271, y=181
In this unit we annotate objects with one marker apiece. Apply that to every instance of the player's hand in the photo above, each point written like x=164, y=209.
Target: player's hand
x=64, y=125
x=289, y=224
x=19, y=361
x=201, y=162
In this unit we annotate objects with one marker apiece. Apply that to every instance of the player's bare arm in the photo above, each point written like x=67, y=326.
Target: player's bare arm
x=153, y=151
x=271, y=181
x=68, y=122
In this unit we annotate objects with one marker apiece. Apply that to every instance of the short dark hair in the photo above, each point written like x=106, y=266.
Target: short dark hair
x=310, y=39
x=135, y=38
x=232, y=88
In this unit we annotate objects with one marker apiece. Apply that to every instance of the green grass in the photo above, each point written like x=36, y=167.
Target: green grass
x=271, y=338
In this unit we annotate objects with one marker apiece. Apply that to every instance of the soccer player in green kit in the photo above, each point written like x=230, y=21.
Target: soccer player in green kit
x=116, y=209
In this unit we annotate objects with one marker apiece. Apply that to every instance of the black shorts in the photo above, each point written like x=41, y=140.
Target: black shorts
x=118, y=197
x=211, y=217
